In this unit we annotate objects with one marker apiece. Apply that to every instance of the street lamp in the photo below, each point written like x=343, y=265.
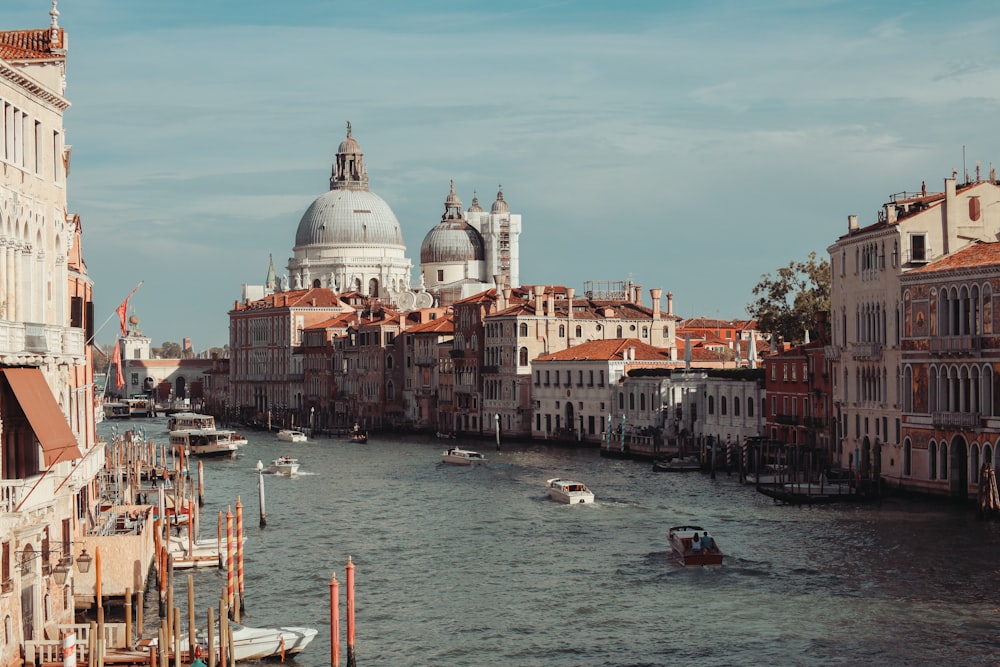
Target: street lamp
x=62, y=568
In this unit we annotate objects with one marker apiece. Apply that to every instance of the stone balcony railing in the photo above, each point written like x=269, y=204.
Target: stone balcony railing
x=956, y=344
x=21, y=341
x=870, y=351
x=957, y=419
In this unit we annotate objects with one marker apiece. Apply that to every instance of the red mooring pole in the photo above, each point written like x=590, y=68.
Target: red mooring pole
x=350, y=613
x=334, y=621
x=229, y=561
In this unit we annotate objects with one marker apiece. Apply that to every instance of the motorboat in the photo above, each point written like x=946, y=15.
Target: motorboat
x=262, y=643
x=117, y=410
x=692, y=545
x=180, y=421
x=677, y=464
x=207, y=442
x=358, y=436
x=291, y=435
x=283, y=465
x=461, y=457
x=569, y=492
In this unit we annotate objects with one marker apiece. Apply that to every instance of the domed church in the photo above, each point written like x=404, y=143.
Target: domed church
x=349, y=238
x=466, y=253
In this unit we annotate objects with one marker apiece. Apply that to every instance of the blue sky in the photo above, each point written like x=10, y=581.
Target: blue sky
x=683, y=145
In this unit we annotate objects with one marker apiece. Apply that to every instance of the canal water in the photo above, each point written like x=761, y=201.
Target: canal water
x=460, y=566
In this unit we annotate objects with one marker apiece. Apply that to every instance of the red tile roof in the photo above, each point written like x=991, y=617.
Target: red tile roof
x=981, y=254
x=31, y=44
x=609, y=350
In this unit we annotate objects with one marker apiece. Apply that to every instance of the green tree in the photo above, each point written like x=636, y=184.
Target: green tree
x=785, y=304
x=170, y=350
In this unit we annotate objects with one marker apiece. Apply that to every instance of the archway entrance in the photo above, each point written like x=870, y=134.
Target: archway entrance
x=959, y=461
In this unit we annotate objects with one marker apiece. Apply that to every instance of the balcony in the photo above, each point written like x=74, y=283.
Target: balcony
x=867, y=351
x=961, y=345
x=957, y=419
x=789, y=420
x=22, y=340
x=832, y=352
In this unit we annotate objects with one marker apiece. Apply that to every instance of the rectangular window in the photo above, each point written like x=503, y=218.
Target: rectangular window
x=918, y=248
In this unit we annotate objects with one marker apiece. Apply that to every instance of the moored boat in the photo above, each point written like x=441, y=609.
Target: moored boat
x=291, y=435
x=262, y=643
x=462, y=457
x=677, y=464
x=568, y=491
x=284, y=465
x=117, y=410
x=692, y=545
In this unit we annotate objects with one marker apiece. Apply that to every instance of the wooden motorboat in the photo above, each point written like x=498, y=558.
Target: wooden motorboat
x=692, y=545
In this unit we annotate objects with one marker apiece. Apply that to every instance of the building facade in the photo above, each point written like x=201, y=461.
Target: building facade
x=866, y=316
x=48, y=455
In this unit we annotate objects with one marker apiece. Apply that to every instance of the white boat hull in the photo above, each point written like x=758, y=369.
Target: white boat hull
x=262, y=643
x=292, y=436
x=569, y=493
x=462, y=457
x=287, y=469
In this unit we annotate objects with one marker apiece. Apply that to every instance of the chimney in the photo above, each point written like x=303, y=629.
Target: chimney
x=852, y=223
x=670, y=303
x=570, y=293
x=551, y=303
x=637, y=299
x=539, y=292
x=655, y=294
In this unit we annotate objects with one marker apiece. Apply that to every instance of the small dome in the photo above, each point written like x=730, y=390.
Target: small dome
x=452, y=241
x=452, y=201
x=349, y=145
x=500, y=206
x=475, y=208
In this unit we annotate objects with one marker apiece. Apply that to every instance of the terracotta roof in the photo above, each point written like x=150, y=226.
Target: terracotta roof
x=981, y=254
x=441, y=325
x=609, y=350
x=31, y=44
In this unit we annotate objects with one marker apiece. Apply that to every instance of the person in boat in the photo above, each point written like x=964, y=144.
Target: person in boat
x=707, y=542
x=696, y=543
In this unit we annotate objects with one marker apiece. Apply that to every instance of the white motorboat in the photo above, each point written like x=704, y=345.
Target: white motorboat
x=262, y=643
x=462, y=457
x=283, y=465
x=291, y=435
x=140, y=405
x=207, y=442
x=569, y=492
x=180, y=421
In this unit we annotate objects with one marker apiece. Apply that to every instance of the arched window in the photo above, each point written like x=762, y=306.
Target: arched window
x=944, y=461
x=631, y=401
x=562, y=330
x=373, y=287
x=932, y=460
x=907, y=457
x=390, y=391
x=722, y=405
x=711, y=405
x=523, y=329
x=619, y=332
x=642, y=402
x=645, y=332
x=750, y=407
x=736, y=406
x=579, y=331
x=523, y=357
x=621, y=400
x=388, y=361
x=974, y=462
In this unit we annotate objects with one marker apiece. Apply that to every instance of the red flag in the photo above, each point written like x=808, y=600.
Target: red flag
x=116, y=359
x=123, y=308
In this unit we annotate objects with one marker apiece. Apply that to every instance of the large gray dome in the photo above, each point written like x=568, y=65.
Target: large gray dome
x=452, y=241
x=348, y=217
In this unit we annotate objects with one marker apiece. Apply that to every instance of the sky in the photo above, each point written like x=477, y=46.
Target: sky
x=687, y=146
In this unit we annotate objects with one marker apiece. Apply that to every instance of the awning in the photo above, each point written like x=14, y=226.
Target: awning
x=43, y=413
